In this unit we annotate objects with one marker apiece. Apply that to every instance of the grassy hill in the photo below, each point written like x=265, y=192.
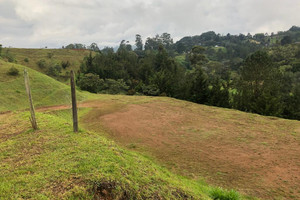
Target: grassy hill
x=52, y=57
x=254, y=154
x=163, y=148
x=46, y=91
x=55, y=163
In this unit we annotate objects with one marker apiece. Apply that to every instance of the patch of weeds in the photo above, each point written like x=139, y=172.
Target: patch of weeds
x=264, y=143
x=13, y=71
x=110, y=190
x=222, y=194
x=132, y=146
x=77, y=193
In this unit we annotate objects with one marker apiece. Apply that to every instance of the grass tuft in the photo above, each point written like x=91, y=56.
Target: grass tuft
x=223, y=194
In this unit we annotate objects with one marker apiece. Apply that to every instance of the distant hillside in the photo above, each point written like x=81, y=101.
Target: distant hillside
x=45, y=90
x=48, y=61
x=236, y=46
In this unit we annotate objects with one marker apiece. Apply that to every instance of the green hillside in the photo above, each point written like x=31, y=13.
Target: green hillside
x=55, y=163
x=45, y=90
x=50, y=57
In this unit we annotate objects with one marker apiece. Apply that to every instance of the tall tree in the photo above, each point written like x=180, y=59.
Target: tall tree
x=258, y=89
x=138, y=42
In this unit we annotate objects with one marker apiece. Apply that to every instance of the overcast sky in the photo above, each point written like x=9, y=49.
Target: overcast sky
x=53, y=23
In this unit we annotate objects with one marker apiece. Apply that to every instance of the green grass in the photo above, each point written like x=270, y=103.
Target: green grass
x=55, y=163
x=221, y=194
x=32, y=56
x=45, y=90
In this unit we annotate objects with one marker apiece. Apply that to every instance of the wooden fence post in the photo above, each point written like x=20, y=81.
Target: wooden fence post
x=32, y=118
x=74, y=103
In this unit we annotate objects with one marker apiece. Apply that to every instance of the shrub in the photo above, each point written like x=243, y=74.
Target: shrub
x=89, y=82
x=222, y=194
x=13, y=71
x=50, y=55
x=42, y=64
x=65, y=64
x=9, y=56
x=26, y=60
x=54, y=70
x=111, y=86
x=150, y=90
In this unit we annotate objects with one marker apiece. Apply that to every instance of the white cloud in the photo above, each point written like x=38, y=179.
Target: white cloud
x=53, y=23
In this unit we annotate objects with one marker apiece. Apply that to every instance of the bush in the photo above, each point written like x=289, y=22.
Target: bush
x=9, y=56
x=221, y=194
x=65, y=64
x=42, y=64
x=50, y=55
x=13, y=71
x=89, y=82
x=26, y=60
x=150, y=90
x=111, y=86
x=54, y=70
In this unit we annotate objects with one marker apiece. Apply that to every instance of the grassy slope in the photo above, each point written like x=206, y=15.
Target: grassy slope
x=55, y=163
x=254, y=154
x=75, y=57
x=45, y=90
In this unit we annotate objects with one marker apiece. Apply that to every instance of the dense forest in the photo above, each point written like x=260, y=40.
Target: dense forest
x=259, y=73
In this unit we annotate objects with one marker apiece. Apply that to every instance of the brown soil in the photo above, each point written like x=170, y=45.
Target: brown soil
x=258, y=156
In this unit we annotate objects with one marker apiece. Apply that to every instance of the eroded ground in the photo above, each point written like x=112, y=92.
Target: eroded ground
x=257, y=155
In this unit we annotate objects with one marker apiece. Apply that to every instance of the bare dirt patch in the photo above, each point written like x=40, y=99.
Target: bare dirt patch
x=257, y=155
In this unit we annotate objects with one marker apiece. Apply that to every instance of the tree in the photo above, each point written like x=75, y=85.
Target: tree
x=90, y=82
x=258, y=89
x=94, y=47
x=286, y=40
x=138, y=43
x=199, y=91
x=197, y=56
x=0, y=49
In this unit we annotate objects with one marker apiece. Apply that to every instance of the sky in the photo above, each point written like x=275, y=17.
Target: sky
x=54, y=23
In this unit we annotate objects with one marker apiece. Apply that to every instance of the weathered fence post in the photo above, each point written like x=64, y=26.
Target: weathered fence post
x=74, y=104
x=32, y=118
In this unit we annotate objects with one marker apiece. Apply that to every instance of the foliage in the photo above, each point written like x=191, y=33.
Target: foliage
x=13, y=71
x=89, y=82
x=42, y=64
x=65, y=64
x=26, y=60
x=221, y=194
x=54, y=70
x=9, y=56
x=150, y=90
x=258, y=89
x=75, y=46
x=286, y=40
x=50, y=55
x=111, y=86
x=94, y=47
x=206, y=73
